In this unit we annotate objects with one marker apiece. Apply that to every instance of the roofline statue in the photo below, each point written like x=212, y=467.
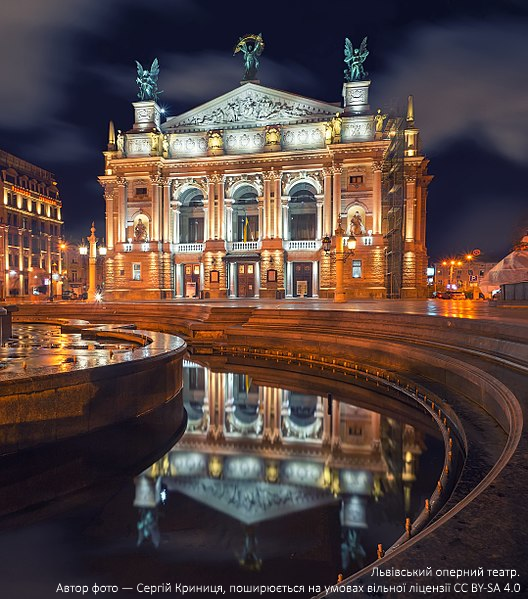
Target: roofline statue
x=354, y=60
x=251, y=46
x=148, y=81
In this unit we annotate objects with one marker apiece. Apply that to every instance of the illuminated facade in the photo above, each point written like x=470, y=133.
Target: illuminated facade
x=30, y=229
x=233, y=199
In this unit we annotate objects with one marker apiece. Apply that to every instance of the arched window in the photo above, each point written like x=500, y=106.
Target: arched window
x=245, y=214
x=303, y=212
x=192, y=216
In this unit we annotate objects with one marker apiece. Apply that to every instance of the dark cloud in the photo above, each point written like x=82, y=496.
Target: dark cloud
x=469, y=80
x=187, y=80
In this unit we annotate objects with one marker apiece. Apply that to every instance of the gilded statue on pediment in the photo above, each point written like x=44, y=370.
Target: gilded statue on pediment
x=379, y=120
x=337, y=123
x=251, y=47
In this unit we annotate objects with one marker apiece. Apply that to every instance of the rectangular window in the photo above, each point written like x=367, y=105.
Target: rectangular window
x=356, y=269
x=356, y=180
x=136, y=271
x=141, y=191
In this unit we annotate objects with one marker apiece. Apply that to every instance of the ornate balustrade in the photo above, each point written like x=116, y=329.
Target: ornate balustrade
x=304, y=244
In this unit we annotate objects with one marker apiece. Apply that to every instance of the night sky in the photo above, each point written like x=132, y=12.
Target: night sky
x=68, y=67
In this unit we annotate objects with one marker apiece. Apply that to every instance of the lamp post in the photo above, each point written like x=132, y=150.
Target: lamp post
x=341, y=256
x=92, y=264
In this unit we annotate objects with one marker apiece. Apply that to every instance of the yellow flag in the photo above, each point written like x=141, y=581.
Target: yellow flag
x=246, y=226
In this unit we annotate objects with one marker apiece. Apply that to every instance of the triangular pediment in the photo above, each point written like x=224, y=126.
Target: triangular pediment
x=251, y=105
x=251, y=502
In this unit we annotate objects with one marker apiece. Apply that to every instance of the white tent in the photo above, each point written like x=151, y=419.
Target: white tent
x=512, y=269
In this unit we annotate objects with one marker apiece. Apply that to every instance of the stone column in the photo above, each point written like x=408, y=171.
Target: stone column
x=221, y=207
x=121, y=210
x=267, y=225
x=262, y=218
x=179, y=280
x=232, y=273
x=278, y=206
x=229, y=219
x=376, y=196
x=410, y=206
x=315, y=279
x=166, y=216
x=155, y=182
x=336, y=189
x=327, y=191
x=109, y=203
x=206, y=220
x=285, y=218
x=176, y=214
x=211, y=189
x=319, y=217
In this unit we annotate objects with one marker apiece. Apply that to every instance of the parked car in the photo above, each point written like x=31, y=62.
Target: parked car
x=454, y=295
x=68, y=294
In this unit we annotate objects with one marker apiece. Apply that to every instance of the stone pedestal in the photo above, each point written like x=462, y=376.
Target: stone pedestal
x=355, y=97
x=147, y=116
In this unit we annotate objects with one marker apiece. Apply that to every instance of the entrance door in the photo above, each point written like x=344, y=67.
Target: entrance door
x=302, y=279
x=246, y=280
x=191, y=280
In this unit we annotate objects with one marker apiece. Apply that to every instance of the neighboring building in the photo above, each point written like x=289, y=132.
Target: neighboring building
x=30, y=229
x=459, y=275
x=234, y=198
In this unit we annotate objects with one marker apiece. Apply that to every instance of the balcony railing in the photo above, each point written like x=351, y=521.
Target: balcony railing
x=189, y=248
x=304, y=244
x=243, y=246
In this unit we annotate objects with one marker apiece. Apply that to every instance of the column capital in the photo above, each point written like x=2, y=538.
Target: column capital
x=214, y=178
x=121, y=181
x=158, y=179
x=271, y=175
x=377, y=165
x=336, y=169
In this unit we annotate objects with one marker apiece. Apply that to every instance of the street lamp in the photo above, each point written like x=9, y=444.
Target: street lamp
x=342, y=254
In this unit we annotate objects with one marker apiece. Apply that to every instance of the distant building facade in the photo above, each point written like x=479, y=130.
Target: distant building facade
x=234, y=198
x=30, y=229
x=462, y=275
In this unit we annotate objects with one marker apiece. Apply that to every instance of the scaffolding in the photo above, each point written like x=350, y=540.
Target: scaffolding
x=392, y=206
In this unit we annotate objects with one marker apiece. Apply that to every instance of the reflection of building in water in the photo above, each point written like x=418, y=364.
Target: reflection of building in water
x=257, y=452
x=402, y=446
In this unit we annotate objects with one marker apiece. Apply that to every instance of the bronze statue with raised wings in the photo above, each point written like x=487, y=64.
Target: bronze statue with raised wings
x=354, y=60
x=148, y=81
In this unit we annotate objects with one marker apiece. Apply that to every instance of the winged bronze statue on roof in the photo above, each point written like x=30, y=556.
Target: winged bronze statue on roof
x=354, y=59
x=148, y=81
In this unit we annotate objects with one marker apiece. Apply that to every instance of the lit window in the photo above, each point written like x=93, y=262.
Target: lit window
x=356, y=180
x=136, y=271
x=356, y=269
